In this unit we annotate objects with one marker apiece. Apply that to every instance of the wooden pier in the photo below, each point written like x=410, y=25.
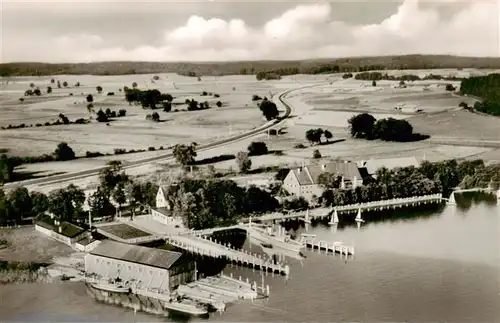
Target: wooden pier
x=327, y=212
x=310, y=241
x=211, y=248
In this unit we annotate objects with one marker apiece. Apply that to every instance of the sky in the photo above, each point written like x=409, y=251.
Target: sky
x=59, y=31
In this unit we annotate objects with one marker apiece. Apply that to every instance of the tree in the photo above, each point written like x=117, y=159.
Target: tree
x=99, y=89
x=361, y=126
x=7, y=166
x=316, y=154
x=155, y=117
x=111, y=176
x=243, y=161
x=269, y=109
x=101, y=116
x=167, y=106
x=134, y=194
x=156, y=77
x=119, y=195
x=134, y=85
x=64, y=152
x=58, y=84
x=90, y=98
x=185, y=154
x=77, y=84
x=49, y=89
x=66, y=204
x=218, y=104
x=4, y=209
x=450, y=87
x=314, y=135
x=329, y=180
x=40, y=203
x=20, y=204
x=257, y=148
x=32, y=85
x=37, y=92
x=122, y=112
x=28, y=92
x=65, y=84
x=99, y=204
x=374, y=83
x=328, y=135
x=52, y=81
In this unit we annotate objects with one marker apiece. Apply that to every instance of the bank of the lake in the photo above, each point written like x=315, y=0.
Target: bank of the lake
x=439, y=267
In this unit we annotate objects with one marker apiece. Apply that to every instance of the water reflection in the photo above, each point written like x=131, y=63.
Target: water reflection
x=465, y=201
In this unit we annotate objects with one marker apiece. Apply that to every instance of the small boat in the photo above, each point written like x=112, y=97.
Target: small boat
x=110, y=287
x=266, y=245
x=283, y=241
x=186, y=306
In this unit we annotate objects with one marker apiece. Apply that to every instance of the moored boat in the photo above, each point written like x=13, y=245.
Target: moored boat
x=268, y=236
x=186, y=306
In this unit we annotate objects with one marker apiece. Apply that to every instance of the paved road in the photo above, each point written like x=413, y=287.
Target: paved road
x=223, y=142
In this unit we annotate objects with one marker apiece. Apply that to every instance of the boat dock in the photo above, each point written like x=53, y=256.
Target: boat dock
x=212, y=248
x=310, y=241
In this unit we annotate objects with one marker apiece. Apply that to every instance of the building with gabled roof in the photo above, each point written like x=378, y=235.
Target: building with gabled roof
x=150, y=268
x=303, y=181
x=163, y=210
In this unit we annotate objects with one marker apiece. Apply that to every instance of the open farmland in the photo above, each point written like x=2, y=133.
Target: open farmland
x=238, y=113
x=328, y=104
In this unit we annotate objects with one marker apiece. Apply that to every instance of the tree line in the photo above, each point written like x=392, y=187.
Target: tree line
x=348, y=64
x=365, y=126
x=377, y=76
x=485, y=87
x=429, y=178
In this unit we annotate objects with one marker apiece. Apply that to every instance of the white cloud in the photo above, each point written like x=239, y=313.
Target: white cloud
x=306, y=31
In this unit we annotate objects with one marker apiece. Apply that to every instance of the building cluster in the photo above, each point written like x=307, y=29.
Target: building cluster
x=303, y=181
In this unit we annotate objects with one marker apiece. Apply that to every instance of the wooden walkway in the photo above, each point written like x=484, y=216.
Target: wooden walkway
x=334, y=247
x=369, y=206
x=211, y=248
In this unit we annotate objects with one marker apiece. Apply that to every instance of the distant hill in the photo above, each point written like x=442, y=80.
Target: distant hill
x=313, y=66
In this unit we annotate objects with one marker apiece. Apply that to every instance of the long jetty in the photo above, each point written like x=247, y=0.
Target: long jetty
x=211, y=248
x=358, y=207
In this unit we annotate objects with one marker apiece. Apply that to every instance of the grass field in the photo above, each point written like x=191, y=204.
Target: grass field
x=329, y=105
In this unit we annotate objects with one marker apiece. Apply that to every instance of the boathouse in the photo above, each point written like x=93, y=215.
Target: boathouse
x=163, y=210
x=147, y=268
x=303, y=181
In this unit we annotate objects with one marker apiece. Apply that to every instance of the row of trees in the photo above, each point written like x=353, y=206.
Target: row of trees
x=365, y=126
x=429, y=178
x=207, y=203
x=377, y=76
x=146, y=98
x=485, y=87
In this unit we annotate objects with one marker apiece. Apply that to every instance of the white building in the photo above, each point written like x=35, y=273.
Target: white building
x=149, y=268
x=163, y=211
x=303, y=181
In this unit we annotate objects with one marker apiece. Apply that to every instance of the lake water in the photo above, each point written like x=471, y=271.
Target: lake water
x=441, y=267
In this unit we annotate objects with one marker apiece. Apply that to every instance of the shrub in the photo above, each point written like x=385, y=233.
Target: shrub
x=151, y=149
x=122, y=112
x=110, y=93
x=71, y=94
x=299, y=146
x=113, y=114
x=255, y=97
x=218, y=104
x=273, y=132
x=21, y=99
x=204, y=93
x=90, y=154
x=316, y=154
x=216, y=95
x=257, y=148
x=39, y=125
x=120, y=151
x=46, y=124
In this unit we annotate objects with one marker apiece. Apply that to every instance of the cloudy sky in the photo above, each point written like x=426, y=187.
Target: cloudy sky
x=217, y=30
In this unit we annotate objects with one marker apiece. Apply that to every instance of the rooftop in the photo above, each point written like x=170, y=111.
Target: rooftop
x=67, y=229
x=308, y=175
x=141, y=255
x=122, y=230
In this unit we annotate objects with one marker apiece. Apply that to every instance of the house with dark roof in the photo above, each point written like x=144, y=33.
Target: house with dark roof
x=303, y=181
x=163, y=210
x=149, y=268
x=62, y=231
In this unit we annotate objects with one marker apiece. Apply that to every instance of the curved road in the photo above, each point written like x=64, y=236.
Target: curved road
x=95, y=171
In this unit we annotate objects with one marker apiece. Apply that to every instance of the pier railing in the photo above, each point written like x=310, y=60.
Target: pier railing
x=240, y=257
